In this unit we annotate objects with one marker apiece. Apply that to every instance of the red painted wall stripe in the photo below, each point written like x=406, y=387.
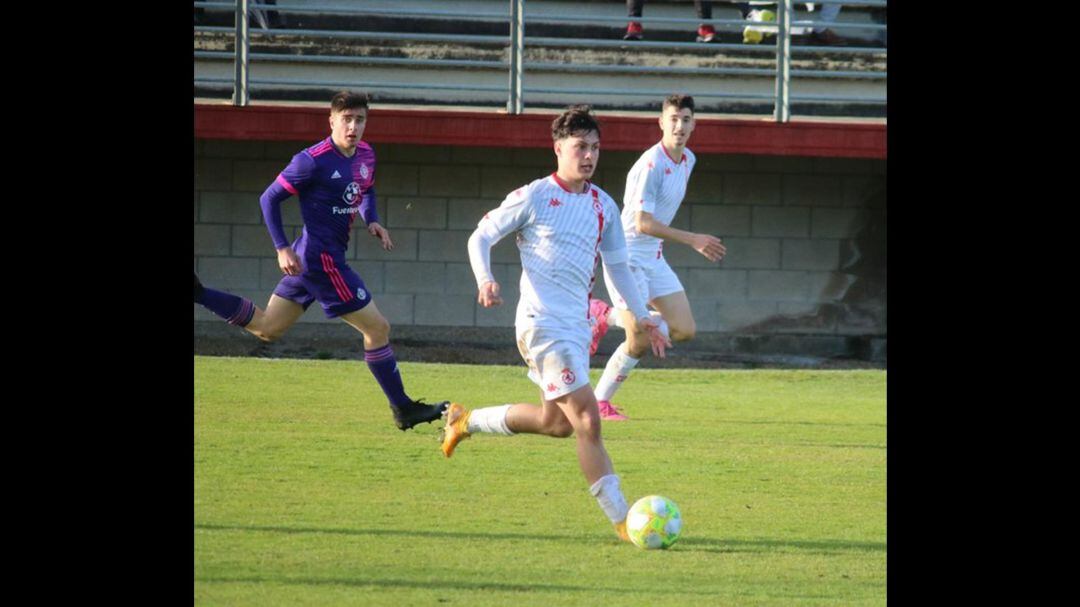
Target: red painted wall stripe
x=497, y=129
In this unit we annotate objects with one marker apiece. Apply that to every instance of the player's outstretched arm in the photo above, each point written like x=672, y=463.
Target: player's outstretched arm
x=711, y=247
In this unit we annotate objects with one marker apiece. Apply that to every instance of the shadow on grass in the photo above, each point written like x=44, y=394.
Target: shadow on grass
x=766, y=422
x=470, y=585
x=763, y=545
x=702, y=544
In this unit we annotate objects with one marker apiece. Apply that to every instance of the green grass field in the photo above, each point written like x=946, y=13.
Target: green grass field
x=306, y=494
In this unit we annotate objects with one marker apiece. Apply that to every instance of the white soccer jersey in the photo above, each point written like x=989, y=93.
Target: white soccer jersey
x=655, y=184
x=561, y=236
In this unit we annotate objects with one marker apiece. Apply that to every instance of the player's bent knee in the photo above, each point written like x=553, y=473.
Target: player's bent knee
x=589, y=428
x=683, y=333
x=561, y=429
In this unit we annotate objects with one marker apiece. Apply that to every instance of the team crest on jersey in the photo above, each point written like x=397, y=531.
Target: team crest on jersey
x=352, y=193
x=364, y=171
x=361, y=293
x=568, y=376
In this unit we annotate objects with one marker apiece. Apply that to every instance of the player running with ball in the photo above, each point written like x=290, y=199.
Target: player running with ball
x=564, y=225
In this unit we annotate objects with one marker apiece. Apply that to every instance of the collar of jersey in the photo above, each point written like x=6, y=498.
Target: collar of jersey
x=683, y=159
x=562, y=184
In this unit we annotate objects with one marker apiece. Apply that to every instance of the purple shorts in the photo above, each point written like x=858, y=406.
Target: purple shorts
x=337, y=287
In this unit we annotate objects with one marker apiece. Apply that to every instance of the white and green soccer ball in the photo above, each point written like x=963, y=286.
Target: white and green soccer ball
x=654, y=522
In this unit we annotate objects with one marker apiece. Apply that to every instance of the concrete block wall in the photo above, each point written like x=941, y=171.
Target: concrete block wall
x=805, y=236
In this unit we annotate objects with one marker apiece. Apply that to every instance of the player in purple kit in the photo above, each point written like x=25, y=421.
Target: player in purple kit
x=334, y=180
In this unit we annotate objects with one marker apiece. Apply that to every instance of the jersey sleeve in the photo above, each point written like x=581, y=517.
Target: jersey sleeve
x=643, y=187
x=514, y=212
x=296, y=177
x=613, y=240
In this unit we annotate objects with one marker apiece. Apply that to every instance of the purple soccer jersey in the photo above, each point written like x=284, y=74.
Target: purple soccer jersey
x=333, y=190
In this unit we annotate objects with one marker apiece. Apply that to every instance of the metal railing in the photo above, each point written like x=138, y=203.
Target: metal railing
x=517, y=88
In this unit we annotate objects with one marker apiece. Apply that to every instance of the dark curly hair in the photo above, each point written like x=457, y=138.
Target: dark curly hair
x=577, y=119
x=678, y=102
x=347, y=100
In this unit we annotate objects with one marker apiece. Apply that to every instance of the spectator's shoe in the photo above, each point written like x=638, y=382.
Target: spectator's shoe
x=598, y=311
x=634, y=31
x=457, y=420
x=754, y=34
x=609, y=413
x=827, y=37
x=198, y=288
x=620, y=530
x=416, y=412
x=706, y=33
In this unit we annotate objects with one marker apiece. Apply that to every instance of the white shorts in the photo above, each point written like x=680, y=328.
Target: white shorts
x=558, y=360
x=654, y=278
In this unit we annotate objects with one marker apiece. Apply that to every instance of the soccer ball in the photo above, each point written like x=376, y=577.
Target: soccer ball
x=654, y=522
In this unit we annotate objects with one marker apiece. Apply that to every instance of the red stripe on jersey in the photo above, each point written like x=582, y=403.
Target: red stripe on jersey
x=599, y=208
x=321, y=149
x=335, y=277
x=288, y=186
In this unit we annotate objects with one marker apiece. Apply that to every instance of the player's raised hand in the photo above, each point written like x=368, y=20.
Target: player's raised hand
x=489, y=294
x=289, y=262
x=657, y=339
x=708, y=245
x=382, y=234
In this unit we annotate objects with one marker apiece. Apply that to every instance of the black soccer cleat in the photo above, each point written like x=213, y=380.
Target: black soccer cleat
x=417, y=412
x=198, y=289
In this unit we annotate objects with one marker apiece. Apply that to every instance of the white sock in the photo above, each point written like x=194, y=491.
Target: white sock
x=489, y=419
x=614, y=318
x=615, y=373
x=610, y=497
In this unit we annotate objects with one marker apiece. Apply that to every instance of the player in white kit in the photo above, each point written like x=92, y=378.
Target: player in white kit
x=655, y=187
x=564, y=225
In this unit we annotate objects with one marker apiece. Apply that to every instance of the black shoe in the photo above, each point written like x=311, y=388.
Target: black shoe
x=417, y=412
x=828, y=38
x=198, y=289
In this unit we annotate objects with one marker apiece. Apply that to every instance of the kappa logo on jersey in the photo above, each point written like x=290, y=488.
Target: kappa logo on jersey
x=364, y=171
x=568, y=376
x=596, y=206
x=555, y=202
x=360, y=293
x=667, y=171
x=336, y=175
x=551, y=388
x=352, y=193
x=651, y=165
x=620, y=379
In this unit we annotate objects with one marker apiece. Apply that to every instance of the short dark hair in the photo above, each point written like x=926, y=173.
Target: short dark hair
x=678, y=102
x=348, y=100
x=576, y=119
